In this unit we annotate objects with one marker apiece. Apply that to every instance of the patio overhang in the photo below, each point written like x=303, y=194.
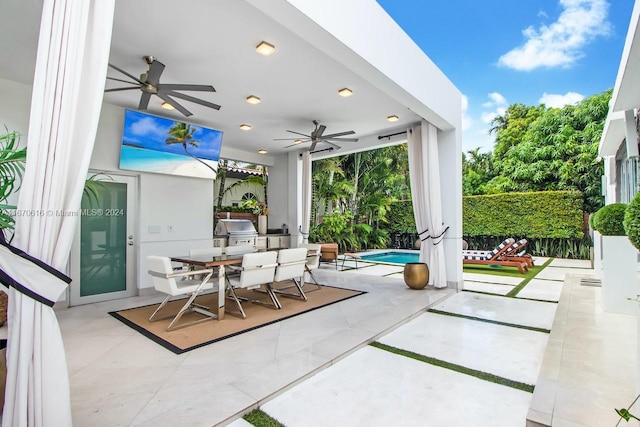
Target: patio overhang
x=626, y=92
x=321, y=47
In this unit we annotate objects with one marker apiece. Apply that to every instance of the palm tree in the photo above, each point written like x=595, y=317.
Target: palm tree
x=182, y=133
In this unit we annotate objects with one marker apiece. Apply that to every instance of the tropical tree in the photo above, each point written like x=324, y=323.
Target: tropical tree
x=558, y=150
x=182, y=133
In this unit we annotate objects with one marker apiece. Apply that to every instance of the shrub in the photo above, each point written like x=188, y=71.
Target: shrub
x=631, y=221
x=609, y=218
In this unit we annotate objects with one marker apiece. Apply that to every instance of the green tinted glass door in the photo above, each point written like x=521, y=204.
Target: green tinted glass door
x=103, y=240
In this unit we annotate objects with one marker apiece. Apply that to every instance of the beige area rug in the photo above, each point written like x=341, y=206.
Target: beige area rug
x=201, y=334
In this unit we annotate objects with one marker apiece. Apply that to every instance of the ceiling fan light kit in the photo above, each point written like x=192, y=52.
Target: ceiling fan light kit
x=149, y=84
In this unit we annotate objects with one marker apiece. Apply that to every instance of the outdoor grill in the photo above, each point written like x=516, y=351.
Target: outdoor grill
x=238, y=231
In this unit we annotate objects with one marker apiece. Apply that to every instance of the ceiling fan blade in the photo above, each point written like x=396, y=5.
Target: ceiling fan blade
x=197, y=88
x=349, y=132
x=341, y=139
x=155, y=71
x=313, y=145
x=298, y=133
x=292, y=139
x=118, y=89
x=318, y=132
x=189, y=98
x=123, y=81
x=337, y=147
x=295, y=145
x=144, y=101
x=175, y=105
x=126, y=74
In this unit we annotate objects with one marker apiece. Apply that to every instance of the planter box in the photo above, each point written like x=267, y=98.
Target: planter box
x=597, y=253
x=619, y=275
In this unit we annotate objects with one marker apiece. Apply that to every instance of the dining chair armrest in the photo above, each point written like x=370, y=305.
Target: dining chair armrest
x=180, y=273
x=258, y=267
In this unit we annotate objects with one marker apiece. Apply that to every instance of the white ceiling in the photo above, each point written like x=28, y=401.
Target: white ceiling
x=213, y=42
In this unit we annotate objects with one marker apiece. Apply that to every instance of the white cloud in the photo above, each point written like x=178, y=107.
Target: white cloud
x=497, y=103
x=558, y=101
x=560, y=43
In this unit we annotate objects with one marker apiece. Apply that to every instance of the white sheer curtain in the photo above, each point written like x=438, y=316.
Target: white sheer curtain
x=424, y=172
x=306, y=196
x=71, y=67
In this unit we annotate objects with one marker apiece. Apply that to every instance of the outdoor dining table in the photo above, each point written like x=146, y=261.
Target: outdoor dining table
x=208, y=261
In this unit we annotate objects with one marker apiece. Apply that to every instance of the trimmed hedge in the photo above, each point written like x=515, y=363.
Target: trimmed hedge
x=400, y=218
x=540, y=214
x=632, y=221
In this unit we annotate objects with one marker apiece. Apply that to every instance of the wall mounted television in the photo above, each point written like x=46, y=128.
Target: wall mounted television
x=160, y=145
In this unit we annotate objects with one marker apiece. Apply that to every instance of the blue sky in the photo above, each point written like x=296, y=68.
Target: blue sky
x=499, y=53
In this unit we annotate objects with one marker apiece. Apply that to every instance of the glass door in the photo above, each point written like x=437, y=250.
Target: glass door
x=103, y=257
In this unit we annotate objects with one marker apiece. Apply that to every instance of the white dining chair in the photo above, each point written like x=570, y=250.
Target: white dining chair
x=164, y=280
x=313, y=263
x=257, y=269
x=291, y=264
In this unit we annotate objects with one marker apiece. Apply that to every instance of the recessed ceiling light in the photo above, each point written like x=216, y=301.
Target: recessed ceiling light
x=245, y=126
x=252, y=99
x=393, y=118
x=265, y=48
x=262, y=151
x=345, y=92
x=297, y=141
x=167, y=106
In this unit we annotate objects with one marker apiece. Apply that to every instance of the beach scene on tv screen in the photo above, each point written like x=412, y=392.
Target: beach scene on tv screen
x=161, y=145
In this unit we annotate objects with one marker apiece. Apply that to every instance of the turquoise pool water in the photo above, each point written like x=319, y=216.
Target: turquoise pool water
x=392, y=257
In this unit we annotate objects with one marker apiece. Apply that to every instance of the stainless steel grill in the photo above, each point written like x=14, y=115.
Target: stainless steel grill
x=238, y=231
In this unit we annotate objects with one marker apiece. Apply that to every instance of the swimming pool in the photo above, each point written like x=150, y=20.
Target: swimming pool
x=400, y=258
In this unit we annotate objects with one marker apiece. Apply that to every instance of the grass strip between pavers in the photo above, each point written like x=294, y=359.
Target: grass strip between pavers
x=513, y=292
x=495, y=322
x=259, y=418
x=456, y=368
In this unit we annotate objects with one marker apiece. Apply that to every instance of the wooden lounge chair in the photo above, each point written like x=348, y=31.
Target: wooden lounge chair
x=494, y=257
x=516, y=252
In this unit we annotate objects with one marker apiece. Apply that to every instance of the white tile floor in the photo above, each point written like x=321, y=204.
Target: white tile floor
x=316, y=369
x=492, y=288
x=543, y=290
x=119, y=377
x=373, y=387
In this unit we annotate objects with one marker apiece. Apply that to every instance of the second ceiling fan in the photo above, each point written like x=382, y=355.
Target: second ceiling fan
x=317, y=136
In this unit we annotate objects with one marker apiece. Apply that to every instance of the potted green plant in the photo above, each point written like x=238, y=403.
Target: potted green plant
x=12, y=162
x=619, y=260
x=631, y=221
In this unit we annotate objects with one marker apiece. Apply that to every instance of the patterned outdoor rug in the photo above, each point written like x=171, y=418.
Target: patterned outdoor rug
x=192, y=337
